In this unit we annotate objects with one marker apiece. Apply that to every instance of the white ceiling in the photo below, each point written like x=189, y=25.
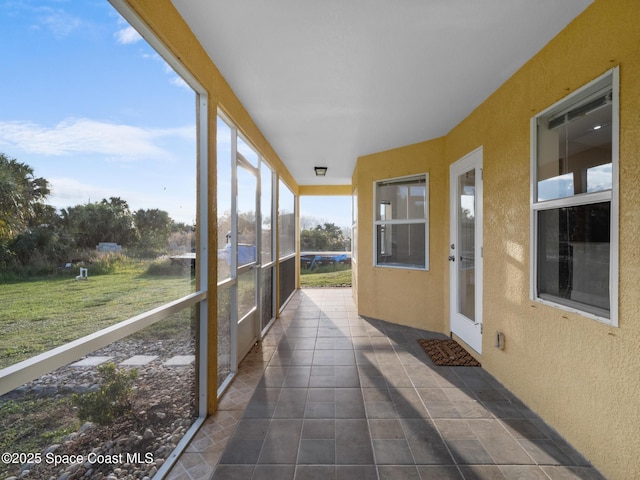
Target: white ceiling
x=329, y=81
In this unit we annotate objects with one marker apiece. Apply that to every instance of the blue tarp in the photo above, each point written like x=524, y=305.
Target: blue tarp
x=246, y=254
x=313, y=260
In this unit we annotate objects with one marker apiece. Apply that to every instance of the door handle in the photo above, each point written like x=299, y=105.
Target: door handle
x=452, y=258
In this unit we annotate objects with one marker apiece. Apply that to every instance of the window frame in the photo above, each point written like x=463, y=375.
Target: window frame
x=612, y=77
x=265, y=168
x=411, y=221
x=285, y=255
x=32, y=368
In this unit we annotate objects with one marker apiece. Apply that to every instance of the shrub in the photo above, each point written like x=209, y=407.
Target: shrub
x=104, y=263
x=113, y=398
x=165, y=267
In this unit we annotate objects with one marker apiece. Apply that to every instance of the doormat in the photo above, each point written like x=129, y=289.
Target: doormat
x=447, y=353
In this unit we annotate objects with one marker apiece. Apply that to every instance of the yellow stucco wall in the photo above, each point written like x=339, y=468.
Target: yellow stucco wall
x=408, y=297
x=581, y=376
x=578, y=374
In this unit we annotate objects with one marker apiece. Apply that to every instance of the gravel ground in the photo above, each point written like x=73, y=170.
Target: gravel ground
x=133, y=447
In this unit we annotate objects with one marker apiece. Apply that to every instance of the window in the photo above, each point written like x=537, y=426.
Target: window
x=287, y=242
x=114, y=256
x=138, y=238
x=401, y=222
x=286, y=220
x=266, y=213
x=574, y=201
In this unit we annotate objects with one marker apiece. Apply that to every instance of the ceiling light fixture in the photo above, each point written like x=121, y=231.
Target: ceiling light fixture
x=320, y=171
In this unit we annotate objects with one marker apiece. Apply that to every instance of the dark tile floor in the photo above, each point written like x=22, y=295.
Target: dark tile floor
x=330, y=395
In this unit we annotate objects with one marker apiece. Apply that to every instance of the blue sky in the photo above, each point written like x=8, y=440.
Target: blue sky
x=335, y=210
x=91, y=107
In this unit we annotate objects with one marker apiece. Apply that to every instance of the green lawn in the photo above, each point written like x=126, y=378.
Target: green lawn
x=326, y=277
x=39, y=315
x=42, y=314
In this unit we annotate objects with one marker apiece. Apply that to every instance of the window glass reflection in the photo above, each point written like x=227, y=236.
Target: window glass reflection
x=574, y=151
x=573, y=259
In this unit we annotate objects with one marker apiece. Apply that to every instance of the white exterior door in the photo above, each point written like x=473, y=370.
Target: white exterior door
x=465, y=254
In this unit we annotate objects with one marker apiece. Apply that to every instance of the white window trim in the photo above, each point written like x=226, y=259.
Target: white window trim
x=581, y=199
x=414, y=221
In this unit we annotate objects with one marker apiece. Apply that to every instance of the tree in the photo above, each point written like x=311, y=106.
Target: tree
x=39, y=245
x=324, y=238
x=154, y=227
x=104, y=221
x=21, y=196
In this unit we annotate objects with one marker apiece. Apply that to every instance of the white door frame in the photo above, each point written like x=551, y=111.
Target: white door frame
x=470, y=331
x=246, y=327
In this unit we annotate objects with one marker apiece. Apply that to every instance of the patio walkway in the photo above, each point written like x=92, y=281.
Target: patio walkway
x=330, y=395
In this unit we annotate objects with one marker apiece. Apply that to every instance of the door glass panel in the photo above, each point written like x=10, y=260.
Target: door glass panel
x=246, y=293
x=466, y=243
x=266, y=210
x=246, y=243
x=224, y=334
x=223, y=146
x=247, y=185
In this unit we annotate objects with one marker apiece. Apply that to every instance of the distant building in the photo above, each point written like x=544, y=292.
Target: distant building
x=108, y=247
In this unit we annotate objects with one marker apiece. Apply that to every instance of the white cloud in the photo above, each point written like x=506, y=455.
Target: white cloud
x=179, y=82
x=73, y=136
x=61, y=24
x=57, y=21
x=68, y=192
x=127, y=36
